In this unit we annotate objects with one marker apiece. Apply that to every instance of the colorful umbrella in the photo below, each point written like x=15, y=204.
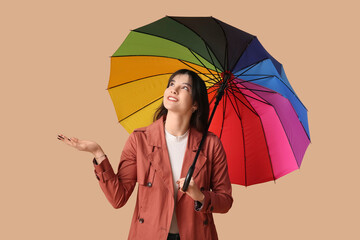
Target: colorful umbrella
x=260, y=120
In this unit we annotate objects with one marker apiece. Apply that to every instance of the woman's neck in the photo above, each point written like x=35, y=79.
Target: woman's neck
x=177, y=125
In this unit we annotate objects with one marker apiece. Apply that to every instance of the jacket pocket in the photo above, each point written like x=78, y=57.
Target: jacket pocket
x=147, y=180
x=145, y=194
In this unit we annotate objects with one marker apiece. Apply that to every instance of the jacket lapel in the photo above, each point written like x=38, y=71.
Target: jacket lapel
x=191, y=149
x=160, y=157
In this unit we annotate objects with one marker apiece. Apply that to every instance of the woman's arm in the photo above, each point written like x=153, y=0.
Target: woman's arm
x=218, y=199
x=118, y=187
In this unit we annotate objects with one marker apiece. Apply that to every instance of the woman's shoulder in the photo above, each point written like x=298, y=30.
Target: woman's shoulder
x=213, y=140
x=212, y=136
x=148, y=132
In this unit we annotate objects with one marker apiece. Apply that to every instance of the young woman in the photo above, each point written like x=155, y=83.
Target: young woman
x=158, y=157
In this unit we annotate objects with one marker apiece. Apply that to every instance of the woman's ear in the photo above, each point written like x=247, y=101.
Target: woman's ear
x=195, y=107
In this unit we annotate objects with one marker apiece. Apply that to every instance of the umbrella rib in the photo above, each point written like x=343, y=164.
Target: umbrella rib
x=166, y=57
x=237, y=89
x=214, y=97
x=253, y=89
x=268, y=76
x=171, y=40
x=243, y=103
x=223, y=117
x=155, y=75
x=283, y=126
x=252, y=80
x=241, y=54
x=197, y=35
x=226, y=46
x=211, y=79
x=139, y=79
x=254, y=64
x=265, y=102
x=140, y=109
x=211, y=91
x=217, y=71
x=237, y=111
x=267, y=146
x=203, y=65
x=284, y=129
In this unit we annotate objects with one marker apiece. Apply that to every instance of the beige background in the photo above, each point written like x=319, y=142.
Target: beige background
x=54, y=71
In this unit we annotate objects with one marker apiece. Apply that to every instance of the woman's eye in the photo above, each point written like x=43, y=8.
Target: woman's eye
x=186, y=88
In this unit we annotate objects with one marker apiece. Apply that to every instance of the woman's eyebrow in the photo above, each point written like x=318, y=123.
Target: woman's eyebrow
x=188, y=84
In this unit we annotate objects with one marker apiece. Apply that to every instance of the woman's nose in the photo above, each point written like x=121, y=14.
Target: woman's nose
x=173, y=91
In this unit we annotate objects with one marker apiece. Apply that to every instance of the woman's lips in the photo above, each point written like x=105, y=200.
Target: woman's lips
x=172, y=99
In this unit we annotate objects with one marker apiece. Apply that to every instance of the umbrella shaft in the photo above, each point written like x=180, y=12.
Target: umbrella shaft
x=218, y=98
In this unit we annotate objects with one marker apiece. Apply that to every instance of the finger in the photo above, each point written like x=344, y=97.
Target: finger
x=67, y=140
x=181, y=180
x=60, y=137
x=63, y=137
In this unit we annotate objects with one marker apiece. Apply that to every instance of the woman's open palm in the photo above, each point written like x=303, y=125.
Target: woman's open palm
x=81, y=145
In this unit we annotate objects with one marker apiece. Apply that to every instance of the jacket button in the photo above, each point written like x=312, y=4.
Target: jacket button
x=206, y=222
x=202, y=189
x=141, y=220
x=149, y=184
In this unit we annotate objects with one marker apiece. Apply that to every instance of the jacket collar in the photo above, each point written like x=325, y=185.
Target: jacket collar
x=156, y=135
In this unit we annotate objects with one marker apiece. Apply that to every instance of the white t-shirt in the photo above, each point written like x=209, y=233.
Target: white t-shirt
x=176, y=146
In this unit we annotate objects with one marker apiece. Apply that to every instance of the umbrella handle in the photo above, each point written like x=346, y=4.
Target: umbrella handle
x=188, y=178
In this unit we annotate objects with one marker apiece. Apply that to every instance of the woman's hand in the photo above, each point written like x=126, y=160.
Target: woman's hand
x=82, y=145
x=193, y=190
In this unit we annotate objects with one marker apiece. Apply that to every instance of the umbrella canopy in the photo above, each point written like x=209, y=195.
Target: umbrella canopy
x=260, y=120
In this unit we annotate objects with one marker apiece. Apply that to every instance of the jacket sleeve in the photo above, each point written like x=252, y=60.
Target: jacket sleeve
x=218, y=199
x=118, y=187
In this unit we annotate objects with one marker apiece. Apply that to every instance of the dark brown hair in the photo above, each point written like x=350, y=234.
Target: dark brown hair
x=199, y=118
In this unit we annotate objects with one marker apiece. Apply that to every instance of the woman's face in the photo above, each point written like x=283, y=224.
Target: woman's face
x=178, y=96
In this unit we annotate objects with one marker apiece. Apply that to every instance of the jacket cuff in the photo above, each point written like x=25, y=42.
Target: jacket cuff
x=103, y=171
x=202, y=207
x=198, y=206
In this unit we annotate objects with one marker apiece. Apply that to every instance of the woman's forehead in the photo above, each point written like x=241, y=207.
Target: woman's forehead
x=182, y=78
